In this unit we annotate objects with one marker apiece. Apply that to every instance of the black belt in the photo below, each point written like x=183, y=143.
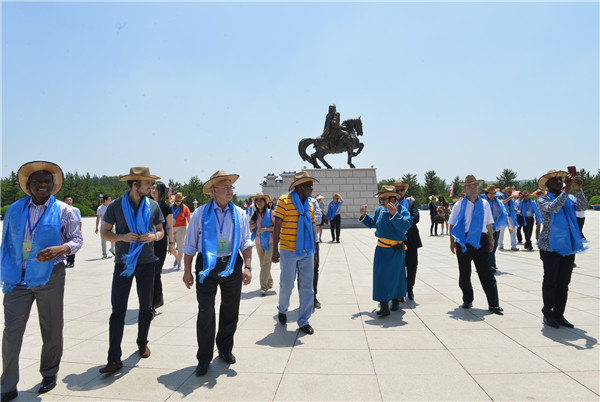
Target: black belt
x=223, y=260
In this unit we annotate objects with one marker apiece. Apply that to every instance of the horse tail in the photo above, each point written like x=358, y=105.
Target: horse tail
x=304, y=143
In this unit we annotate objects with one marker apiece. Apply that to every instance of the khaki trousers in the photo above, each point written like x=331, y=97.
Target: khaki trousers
x=179, y=233
x=264, y=256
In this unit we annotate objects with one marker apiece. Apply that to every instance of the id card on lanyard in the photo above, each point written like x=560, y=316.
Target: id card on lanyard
x=28, y=245
x=222, y=244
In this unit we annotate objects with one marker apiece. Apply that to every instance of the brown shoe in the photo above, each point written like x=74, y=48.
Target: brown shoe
x=144, y=351
x=111, y=367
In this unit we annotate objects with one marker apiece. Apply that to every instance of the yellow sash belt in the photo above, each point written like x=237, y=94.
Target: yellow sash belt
x=381, y=242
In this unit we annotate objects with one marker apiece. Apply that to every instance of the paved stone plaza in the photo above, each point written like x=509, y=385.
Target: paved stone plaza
x=430, y=350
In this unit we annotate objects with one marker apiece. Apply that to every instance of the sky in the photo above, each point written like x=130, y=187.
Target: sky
x=190, y=88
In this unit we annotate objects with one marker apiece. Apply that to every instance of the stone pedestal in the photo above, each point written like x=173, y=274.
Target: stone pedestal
x=357, y=187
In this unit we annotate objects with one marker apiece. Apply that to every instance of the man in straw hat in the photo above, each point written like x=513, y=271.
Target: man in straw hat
x=559, y=241
x=529, y=211
x=511, y=213
x=500, y=220
x=38, y=232
x=471, y=226
x=413, y=239
x=294, y=219
x=391, y=220
x=138, y=223
x=218, y=232
x=181, y=218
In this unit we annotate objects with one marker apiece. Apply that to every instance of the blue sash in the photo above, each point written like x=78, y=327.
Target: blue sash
x=13, y=231
x=502, y=219
x=526, y=206
x=265, y=237
x=510, y=210
x=565, y=237
x=331, y=209
x=176, y=212
x=210, y=239
x=138, y=224
x=474, y=235
x=305, y=242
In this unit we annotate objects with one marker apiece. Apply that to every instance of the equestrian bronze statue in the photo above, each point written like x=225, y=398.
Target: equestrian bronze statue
x=336, y=138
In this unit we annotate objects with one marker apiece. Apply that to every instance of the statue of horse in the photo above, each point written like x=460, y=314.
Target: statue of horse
x=339, y=141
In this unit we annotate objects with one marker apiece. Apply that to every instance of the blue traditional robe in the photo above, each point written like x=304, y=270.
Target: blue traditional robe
x=389, y=267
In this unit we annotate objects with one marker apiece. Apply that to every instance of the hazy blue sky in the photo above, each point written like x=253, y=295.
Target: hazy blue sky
x=190, y=88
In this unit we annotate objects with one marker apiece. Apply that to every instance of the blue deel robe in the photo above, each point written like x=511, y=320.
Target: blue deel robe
x=389, y=267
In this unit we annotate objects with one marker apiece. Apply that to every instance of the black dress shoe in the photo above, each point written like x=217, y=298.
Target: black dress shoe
x=497, y=310
x=202, y=369
x=317, y=304
x=467, y=305
x=282, y=318
x=395, y=305
x=48, y=384
x=411, y=295
x=9, y=396
x=307, y=329
x=562, y=321
x=551, y=322
x=228, y=357
x=111, y=367
x=384, y=310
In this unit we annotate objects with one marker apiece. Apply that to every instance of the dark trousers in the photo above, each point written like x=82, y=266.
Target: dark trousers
x=492, y=254
x=520, y=223
x=121, y=286
x=482, y=264
x=555, y=286
x=17, y=306
x=336, y=226
x=160, y=251
x=580, y=222
x=528, y=230
x=412, y=260
x=231, y=290
x=433, y=225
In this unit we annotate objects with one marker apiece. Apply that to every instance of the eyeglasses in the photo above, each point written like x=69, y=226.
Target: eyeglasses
x=177, y=202
x=226, y=188
x=400, y=189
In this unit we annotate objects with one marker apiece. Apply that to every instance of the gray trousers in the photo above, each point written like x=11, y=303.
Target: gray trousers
x=17, y=306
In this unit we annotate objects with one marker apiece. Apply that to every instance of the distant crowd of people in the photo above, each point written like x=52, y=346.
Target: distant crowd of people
x=42, y=235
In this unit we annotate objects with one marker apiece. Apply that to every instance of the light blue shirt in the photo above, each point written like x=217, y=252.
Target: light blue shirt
x=193, y=238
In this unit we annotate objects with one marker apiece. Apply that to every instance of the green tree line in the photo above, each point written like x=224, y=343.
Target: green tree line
x=434, y=185
x=87, y=190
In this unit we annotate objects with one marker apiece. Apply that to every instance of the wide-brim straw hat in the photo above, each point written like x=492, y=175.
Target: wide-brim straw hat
x=179, y=197
x=524, y=193
x=470, y=179
x=30, y=168
x=319, y=197
x=387, y=191
x=506, y=189
x=139, y=173
x=400, y=183
x=550, y=175
x=490, y=189
x=261, y=195
x=432, y=198
x=218, y=176
x=301, y=177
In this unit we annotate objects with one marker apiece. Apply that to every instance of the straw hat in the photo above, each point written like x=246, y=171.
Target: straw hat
x=432, y=198
x=218, y=176
x=507, y=189
x=387, y=191
x=179, y=197
x=261, y=195
x=524, y=193
x=139, y=173
x=551, y=175
x=302, y=177
x=319, y=197
x=30, y=168
x=470, y=179
x=400, y=183
x=490, y=189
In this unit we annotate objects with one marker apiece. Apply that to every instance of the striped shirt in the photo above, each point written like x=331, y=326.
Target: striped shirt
x=287, y=212
x=69, y=228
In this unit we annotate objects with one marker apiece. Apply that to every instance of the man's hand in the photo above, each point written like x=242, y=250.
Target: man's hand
x=147, y=238
x=363, y=210
x=569, y=183
x=130, y=237
x=578, y=182
x=96, y=230
x=246, y=277
x=275, y=257
x=392, y=208
x=510, y=230
x=491, y=244
x=50, y=253
x=452, y=246
x=188, y=278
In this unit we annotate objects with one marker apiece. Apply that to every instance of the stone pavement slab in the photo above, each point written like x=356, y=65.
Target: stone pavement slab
x=429, y=350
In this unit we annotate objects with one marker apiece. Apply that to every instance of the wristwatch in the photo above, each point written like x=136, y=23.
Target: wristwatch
x=249, y=268
x=171, y=242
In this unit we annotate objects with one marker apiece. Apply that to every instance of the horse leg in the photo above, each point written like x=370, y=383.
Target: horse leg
x=360, y=148
x=350, y=158
x=313, y=160
x=322, y=159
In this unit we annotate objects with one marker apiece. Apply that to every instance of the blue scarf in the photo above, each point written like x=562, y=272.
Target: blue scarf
x=474, y=235
x=138, y=224
x=510, y=209
x=565, y=237
x=210, y=238
x=502, y=219
x=305, y=242
x=265, y=237
x=331, y=209
x=13, y=231
x=176, y=212
x=525, y=206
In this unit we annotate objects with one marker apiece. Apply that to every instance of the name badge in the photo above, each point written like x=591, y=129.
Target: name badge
x=27, y=245
x=222, y=246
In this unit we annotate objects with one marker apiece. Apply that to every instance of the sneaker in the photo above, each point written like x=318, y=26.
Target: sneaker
x=263, y=292
x=104, y=257
x=514, y=249
x=501, y=248
x=175, y=264
x=179, y=267
x=113, y=253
